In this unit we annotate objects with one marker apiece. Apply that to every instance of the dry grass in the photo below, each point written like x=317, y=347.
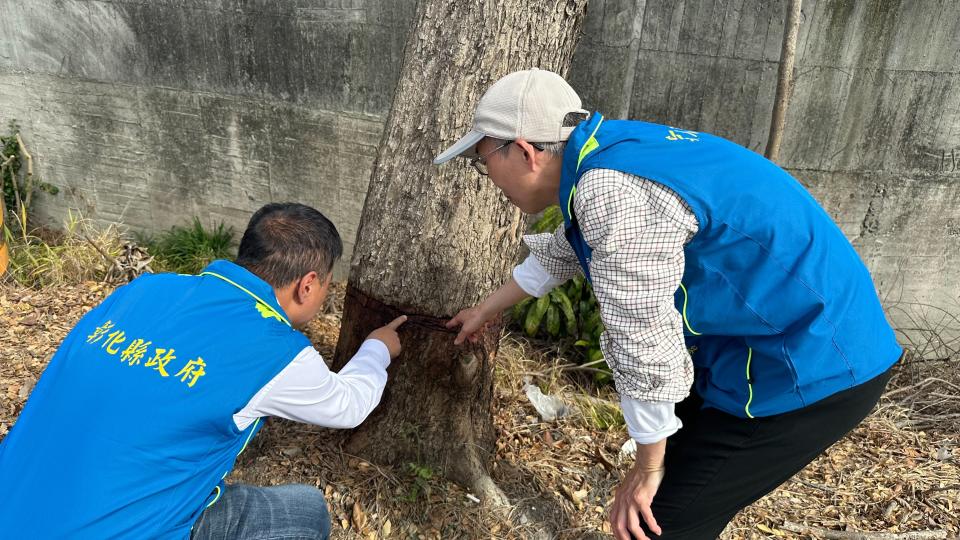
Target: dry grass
x=898, y=472
x=80, y=252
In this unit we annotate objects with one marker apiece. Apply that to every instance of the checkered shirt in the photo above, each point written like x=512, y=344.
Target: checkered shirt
x=637, y=229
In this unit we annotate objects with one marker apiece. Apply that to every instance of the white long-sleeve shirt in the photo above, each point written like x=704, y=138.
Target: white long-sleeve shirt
x=637, y=230
x=307, y=391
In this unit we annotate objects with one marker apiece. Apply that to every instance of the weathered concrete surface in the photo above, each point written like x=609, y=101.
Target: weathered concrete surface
x=873, y=129
x=156, y=110
x=152, y=111
x=153, y=157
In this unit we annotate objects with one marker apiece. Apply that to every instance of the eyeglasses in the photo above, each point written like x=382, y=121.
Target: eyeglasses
x=480, y=162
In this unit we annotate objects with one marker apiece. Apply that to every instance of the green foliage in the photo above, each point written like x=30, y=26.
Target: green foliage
x=570, y=312
x=10, y=147
x=551, y=219
x=421, y=475
x=186, y=250
x=601, y=414
x=18, y=188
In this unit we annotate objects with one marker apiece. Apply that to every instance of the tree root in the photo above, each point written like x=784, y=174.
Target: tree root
x=469, y=471
x=487, y=489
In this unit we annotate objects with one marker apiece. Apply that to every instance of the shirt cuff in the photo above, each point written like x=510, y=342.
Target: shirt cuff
x=649, y=422
x=375, y=350
x=533, y=278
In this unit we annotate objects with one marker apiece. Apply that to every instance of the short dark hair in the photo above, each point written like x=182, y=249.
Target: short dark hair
x=285, y=241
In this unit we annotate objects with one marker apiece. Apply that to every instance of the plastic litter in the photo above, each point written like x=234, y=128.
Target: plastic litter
x=628, y=450
x=548, y=407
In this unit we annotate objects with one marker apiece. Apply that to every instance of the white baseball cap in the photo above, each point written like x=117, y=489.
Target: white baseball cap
x=528, y=105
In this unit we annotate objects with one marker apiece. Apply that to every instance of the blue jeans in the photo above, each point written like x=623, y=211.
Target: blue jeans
x=289, y=512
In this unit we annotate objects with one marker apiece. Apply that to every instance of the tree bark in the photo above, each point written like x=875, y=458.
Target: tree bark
x=434, y=240
x=788, y=53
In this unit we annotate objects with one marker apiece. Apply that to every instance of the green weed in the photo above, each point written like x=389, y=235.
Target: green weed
x=186, y=250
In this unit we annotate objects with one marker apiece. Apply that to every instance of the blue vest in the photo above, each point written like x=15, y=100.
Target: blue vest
x=130, y=431
x=778, y=309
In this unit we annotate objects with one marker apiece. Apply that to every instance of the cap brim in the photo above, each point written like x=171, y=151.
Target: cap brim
x=463, y=147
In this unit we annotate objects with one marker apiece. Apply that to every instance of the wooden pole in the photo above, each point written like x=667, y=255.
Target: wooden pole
x=788, y=53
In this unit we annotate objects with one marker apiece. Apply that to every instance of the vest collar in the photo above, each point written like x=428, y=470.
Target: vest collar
x=246, y=282
x=582, y=142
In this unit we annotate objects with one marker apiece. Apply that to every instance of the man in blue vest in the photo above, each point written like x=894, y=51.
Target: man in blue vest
x=145, y=406
x=713, y=268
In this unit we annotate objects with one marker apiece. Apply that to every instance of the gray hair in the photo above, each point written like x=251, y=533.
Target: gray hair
x=554, y=148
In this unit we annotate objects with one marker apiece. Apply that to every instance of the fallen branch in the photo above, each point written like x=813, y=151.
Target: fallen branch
x=28, y=182
x=944, y=488
x=860, y=535
x=112, y=262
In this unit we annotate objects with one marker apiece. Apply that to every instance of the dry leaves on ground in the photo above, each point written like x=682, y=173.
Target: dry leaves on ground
x=884, y=477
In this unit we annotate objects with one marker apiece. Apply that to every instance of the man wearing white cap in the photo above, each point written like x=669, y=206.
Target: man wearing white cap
x=714, y=268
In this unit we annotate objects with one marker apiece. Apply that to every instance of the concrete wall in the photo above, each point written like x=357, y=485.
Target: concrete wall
x=873, y=129
x=153, y=111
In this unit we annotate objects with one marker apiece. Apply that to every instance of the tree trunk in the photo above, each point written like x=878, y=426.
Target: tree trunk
x=788, y=53
x=434, y=240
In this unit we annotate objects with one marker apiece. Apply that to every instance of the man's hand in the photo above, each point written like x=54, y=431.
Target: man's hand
x=388, y=335
x=635, y=494
x=471, y=321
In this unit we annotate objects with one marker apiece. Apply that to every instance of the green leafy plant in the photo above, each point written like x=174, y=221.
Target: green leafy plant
x=186, y=250
x=551, y=218
x=422, y=475
x=19, y=185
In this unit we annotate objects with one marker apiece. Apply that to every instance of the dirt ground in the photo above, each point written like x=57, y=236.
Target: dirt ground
x=893, y=474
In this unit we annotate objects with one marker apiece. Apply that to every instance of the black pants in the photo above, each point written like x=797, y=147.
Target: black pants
x=718, y=464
